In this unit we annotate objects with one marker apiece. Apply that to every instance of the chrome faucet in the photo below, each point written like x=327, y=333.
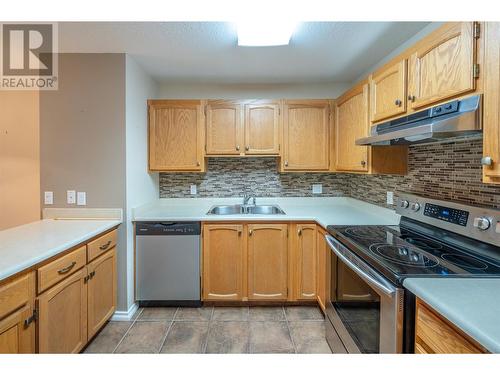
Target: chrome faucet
x=246, y=199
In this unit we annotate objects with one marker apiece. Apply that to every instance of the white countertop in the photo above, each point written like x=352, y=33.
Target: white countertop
x=324, y=210
x=26, y=245
x=473, y=305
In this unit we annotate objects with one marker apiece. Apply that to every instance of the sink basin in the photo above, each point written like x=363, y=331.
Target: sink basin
x=239, y=209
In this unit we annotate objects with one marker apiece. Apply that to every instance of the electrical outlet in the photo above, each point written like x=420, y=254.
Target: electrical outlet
x=71, y=197
x=81, y=198
x=193, y=190
x=317, y=189
x=390, y=197
x=48, y=197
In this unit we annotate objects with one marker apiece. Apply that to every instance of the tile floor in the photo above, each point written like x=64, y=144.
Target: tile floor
x=290, y=329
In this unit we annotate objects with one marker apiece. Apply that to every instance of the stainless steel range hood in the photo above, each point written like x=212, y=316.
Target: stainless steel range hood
x=449, y=120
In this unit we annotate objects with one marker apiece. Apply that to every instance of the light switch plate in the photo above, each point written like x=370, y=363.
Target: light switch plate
x=390, y=197
x=81, y=198
x=193, y=190
x=48, y=197
x=71, y=196
x=317, y=189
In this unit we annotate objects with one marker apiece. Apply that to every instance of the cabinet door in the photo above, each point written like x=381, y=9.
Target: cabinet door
x=323, y=266
x=262, y=129
x=305, y=256
x=15, y=336
x=388, y=92
x=267, y=261
x=176, y=135
x=351, y=124
x=101, y=291
x=62, y=323
x=224, y=128
x=306, y=135
x=443, y=67
x=491, y=124
x=223, y=262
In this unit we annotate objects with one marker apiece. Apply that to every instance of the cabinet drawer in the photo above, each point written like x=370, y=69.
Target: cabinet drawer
x=434, y=335
x=57, y=270
x=14, y=294
x=101, y=245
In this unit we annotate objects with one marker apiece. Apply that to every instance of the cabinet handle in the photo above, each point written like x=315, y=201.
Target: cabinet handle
x=411, y=98
x=237, y=148
x=31, y=319
x=286, y=163
x=299, y=232
x=363, y=163
x=91, y=275
x=239, y=232
x=247, y=148
x=398, y=102
x=487, y=160
x=197, y=163
x=250, y=232
x=64, y=270
x=105, y=246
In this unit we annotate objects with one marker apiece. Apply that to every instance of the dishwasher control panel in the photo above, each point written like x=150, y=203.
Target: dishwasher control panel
x=167, y=228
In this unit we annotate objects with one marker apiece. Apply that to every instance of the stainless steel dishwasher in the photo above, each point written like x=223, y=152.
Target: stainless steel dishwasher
x=168, y=263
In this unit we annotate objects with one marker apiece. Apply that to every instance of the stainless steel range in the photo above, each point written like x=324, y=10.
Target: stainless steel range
x=369, y=310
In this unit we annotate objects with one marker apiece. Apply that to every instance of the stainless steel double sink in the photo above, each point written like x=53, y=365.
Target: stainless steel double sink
x=241, y=209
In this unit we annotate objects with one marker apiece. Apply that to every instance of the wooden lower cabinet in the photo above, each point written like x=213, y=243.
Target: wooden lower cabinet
x=101, y=291
x=323, y=269
x=304, y=265
x=62, y=316
x=223, y=262
x=16, y=337
x=433, y=334
x=267, y=261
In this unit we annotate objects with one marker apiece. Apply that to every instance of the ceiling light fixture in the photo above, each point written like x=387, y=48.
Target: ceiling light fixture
x=265, y=33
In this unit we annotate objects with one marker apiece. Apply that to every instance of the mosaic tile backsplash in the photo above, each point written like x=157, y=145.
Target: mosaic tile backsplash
x=450, y=171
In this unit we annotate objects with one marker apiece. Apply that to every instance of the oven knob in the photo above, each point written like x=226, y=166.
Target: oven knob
x=482, y=223
x=405, y=204
x=415, y=206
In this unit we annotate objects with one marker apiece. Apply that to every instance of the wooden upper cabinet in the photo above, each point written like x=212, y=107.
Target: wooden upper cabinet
x=306, y=134
x=101, y=291
x=491, y=117
x=267, y=262
x=388, y=92
x=176, y=135
x=262, y=129
x=442, y=67
x=223, y=262
x=305, y=257
x=352, y=123
x=62, y=321
x=224, y=128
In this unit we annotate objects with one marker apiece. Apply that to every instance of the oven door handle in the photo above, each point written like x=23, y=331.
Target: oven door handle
x=381, y=285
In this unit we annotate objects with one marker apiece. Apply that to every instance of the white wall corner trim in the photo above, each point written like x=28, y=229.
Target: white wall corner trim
x=125, y=316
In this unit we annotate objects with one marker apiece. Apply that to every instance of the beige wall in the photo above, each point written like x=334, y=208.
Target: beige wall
x=82, y=136
x=19, y=158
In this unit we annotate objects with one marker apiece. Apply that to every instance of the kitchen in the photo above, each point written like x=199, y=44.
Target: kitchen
x=220, y=196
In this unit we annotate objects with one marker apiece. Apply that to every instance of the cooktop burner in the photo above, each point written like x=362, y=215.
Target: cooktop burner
x=400, y=251
x=403, y=255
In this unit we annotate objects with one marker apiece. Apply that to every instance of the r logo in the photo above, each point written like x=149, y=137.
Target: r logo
x=27, y=50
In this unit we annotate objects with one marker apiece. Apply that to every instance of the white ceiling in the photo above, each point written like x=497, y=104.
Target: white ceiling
x=207, y=52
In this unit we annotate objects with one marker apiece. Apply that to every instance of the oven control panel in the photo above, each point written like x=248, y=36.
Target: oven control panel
x=451, y=215
x=480, y=223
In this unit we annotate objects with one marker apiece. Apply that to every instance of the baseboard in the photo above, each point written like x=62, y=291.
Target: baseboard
x=121, y=316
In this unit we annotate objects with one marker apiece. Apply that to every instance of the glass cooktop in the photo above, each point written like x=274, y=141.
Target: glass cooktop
x=399, y=252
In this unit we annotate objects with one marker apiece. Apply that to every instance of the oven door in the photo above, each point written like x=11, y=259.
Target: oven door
x=365, y=310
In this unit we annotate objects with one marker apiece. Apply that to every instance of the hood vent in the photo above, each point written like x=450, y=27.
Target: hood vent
x=454, y=119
